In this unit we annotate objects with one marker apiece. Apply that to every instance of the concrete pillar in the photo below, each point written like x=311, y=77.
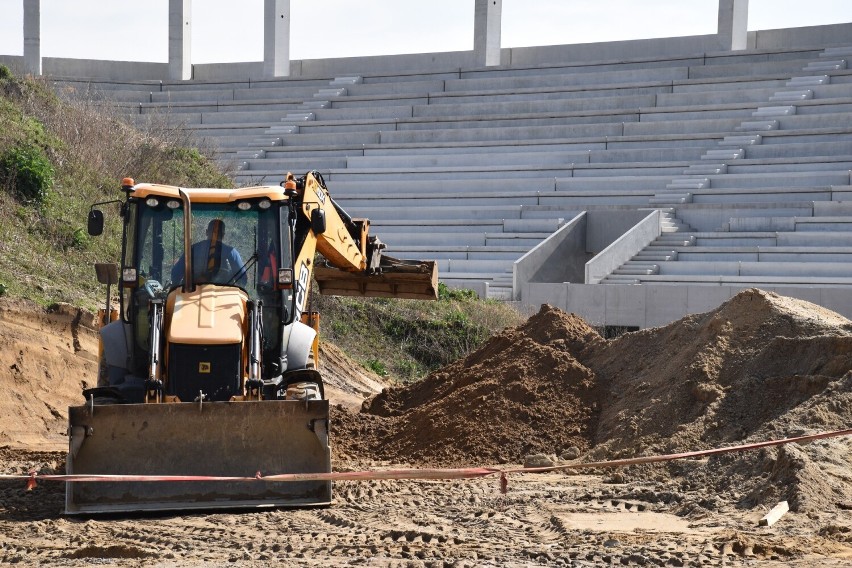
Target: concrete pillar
x=486, y=32
x=276, y=38
x=180, y=40
x=733, y=24
x=32, y=36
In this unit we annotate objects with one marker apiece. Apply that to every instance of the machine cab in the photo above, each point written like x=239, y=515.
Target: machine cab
x=240, y=263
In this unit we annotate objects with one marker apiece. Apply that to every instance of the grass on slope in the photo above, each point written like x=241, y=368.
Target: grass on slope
x=406, y=339
x=45, y=253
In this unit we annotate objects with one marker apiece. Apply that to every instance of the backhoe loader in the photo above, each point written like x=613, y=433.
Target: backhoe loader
x=210, y=366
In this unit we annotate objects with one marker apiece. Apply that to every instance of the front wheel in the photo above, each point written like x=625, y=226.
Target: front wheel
x=303, y=390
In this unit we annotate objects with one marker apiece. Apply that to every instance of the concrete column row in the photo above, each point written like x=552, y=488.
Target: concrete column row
x=732, y=34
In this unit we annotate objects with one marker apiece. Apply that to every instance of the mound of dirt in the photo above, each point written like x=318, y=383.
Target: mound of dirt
x=719, y=376
x=522, y=392
x=345, y=381
x=46, y=358
x=759, y=367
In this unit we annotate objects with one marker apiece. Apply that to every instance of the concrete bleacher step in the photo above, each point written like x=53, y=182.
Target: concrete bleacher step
x=799, y=150
x=826, y=65
x=279, y=166
x=809, y=80
x=837, y=51
x=670, y=198
x=376, y=212
x=574, y=79
x=724, y=154
x=510, y=175
x=774, y=111
x=706, y=169
x=629, y=268
x=655, y=256
x=425, y=159
x=690, y=183
x=792, y=96
x=741, y=140
x=670, y=240
x=799, y=164
x=533, y=106
x=756, y=268
x=426, y=252
x=764, y=125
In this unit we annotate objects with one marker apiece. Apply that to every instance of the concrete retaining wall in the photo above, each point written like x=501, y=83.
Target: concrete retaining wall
x=13, y=62
x=652, y=305
x=559, y=258
x=96, y=68
x=835, y=34
x=565, y=255
x=624, y=248
x=629, y=49
x=823, y=36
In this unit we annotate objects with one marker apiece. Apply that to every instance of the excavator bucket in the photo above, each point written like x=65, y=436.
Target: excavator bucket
x=411, y=279
x=222, y=439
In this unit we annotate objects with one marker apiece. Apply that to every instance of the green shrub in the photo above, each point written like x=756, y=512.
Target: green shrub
x=446, y=293
x=2, y=288
x=5, y=73
x=377, y=367
x=80, y=238
x=27, y=172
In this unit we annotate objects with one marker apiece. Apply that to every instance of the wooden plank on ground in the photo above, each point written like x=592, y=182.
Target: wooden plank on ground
x=776, y=513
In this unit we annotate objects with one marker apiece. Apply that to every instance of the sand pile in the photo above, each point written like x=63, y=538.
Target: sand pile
x=46, y=359
x=719, y=376
x=760, y=366
x=522, y=392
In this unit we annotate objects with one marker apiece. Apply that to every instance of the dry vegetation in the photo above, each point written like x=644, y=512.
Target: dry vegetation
x=84, y=148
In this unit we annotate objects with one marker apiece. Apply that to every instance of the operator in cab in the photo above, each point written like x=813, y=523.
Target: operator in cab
x=213, y=261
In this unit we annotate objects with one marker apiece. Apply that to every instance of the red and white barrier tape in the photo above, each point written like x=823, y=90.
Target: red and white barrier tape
x=461, y=473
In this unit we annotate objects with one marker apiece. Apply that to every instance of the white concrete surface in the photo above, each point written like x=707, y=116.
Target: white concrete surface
x=276, y=38
x=32, y=36
x=733, y=24
x=180, y=40
x=487, y=19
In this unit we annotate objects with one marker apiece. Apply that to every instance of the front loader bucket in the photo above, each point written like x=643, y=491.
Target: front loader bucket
x=222, y=439
x=411, y=279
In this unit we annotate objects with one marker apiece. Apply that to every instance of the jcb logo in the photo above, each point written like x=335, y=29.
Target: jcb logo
x=204, y=367
x=321, y=196
x=301, y=289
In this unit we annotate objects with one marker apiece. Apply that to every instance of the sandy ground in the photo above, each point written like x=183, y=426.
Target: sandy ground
x=663, y=515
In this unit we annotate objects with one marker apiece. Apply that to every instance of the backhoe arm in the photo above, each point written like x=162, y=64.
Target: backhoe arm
x=356, y=265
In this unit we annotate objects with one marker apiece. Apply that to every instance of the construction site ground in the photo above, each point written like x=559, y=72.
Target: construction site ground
x=760, y=367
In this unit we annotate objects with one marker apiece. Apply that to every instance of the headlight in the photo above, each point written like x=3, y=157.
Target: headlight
x=285, y=277
x=128, y=277
x=152, y=202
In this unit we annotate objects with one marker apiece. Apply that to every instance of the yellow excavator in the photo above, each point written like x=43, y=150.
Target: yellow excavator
x=210, y=365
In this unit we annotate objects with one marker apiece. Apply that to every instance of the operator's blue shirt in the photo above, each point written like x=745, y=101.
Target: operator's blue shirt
x=231, y=263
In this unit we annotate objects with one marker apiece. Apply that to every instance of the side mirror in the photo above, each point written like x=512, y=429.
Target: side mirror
x=318, y=221
x=96, y=222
